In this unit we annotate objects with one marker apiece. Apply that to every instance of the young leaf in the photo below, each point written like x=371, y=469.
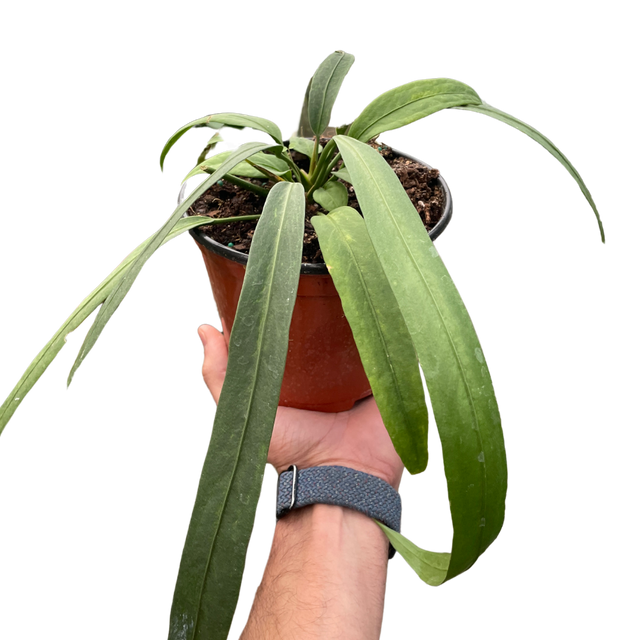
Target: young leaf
x=454, y=366
x=408, y=103
x=379, y=330
x=488, y=110
x=331, y=196
x=214, y=554
x=303, y=146
x=343, y=174
x=81, y=313
x=213, y=141
x=122, y=288
x=324, y=87
x=219, y=120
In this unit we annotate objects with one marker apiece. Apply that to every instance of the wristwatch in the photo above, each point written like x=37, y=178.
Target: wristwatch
x=343, y=487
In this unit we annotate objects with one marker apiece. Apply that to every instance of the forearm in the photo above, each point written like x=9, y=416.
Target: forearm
x=325, y=578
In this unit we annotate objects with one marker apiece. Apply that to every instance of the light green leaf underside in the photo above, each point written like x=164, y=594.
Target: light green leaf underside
x=448, y=349
x=430, y=566
x=379, y=330
x=214, y=554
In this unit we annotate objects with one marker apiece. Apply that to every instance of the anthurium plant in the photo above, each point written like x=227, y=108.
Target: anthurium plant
x=403, y=308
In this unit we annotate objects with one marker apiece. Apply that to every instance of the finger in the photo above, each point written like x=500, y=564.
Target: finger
x=215, y=358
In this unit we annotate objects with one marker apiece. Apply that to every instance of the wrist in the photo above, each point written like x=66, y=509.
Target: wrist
x=334, y=531
x=339, y=486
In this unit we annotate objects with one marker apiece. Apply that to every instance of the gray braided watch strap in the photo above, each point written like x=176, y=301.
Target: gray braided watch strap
x=343, y=487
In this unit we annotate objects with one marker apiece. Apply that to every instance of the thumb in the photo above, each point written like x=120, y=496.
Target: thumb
x=215, y=358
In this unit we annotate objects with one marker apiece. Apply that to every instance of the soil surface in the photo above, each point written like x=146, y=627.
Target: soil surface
x=224, y=200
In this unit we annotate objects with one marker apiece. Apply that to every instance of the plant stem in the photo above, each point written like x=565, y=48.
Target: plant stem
x=245, y=184
x=324, y=167
x=302, y=177
x=314, y=155
x=266, y=172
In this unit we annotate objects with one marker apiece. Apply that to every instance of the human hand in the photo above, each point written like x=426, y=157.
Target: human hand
x=356, y=438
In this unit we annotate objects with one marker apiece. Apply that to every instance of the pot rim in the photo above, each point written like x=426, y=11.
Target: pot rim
x=319, y=268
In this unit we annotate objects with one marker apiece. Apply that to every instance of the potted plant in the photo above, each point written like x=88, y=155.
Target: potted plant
x=323, y=370
x=401, y=304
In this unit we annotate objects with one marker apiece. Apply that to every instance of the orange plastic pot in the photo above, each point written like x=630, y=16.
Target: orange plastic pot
x=323, y=371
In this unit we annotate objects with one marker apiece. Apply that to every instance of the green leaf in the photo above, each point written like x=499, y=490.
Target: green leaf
x=331, y=196
x=342, y=129
x=125, y=283
x=219, y=120
x=302, y=128
x=430, y=566
x=379, y=330
x=488, y=110
x=243, y=169
x=324, y=87
x=303, y=146
x=213, y=141
x=408, y=103
x=452, y=360
x=343, y=174
x=81, y=313
x=214, y=554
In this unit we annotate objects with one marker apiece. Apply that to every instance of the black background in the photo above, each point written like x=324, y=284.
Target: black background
x=96, y=484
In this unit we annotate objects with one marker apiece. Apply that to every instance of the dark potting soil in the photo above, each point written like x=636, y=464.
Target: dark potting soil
x=227, y=200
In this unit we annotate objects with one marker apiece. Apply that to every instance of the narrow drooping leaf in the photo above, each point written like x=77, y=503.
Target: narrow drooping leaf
x=450, y=354
x=430, y=566
x=236, y=120
x=381, y=335
x=124, y=284
x=81, y=313
x=488, y=110
x=324, y=87
x=408, y=103
x=214, y=554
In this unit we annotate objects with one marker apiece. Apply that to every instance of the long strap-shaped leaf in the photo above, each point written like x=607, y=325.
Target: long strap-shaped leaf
x=454, y=367
x=214, y=553
x=237, y=120
x=126, y=270
x=488, y=110
x=379, y=330
x=81, y=313
x=124, y=284
x=408, y=103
